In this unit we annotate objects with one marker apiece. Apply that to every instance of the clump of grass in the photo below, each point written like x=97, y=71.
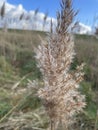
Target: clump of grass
x=5, y=102
x=60, y=95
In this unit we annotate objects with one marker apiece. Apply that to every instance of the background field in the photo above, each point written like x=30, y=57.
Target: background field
x=19, y=106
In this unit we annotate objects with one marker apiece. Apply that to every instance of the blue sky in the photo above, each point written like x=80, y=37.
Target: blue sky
x=88, y=9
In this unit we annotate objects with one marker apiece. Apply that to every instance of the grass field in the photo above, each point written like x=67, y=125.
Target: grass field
x=19, y=106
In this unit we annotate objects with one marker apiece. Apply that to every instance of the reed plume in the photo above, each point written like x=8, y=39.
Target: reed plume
x=45, y=19
x=60, y=95
x=2, y=11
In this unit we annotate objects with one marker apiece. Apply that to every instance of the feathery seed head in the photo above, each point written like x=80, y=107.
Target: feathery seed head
x=60, y=94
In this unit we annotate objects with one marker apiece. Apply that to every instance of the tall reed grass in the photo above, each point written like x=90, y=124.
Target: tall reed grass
x=60, y=95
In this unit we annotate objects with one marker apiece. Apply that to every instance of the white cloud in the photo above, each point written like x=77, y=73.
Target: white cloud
x=81, y=28
x=84, y=29
x=2, y=1
x=30, y=21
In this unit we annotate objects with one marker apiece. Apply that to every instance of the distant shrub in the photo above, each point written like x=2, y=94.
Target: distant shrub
x=96, y=31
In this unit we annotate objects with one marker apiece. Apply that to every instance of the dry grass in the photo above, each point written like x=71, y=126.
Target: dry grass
x=87, y=51
x=60, y=95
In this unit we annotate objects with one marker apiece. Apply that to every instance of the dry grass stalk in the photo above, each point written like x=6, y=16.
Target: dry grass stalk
x=60, y=94
x=2, y=11
x=45, y=20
